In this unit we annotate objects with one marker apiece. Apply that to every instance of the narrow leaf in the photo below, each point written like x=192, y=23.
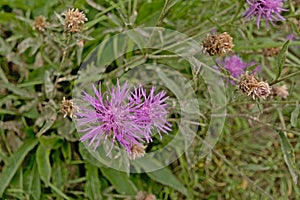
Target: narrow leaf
x=163, y=175
x=119, y=180
x=289, y=156
x=281, y=58
x=14, y=163
x=294, y=116
x=49, y=121
x=43, y=163
x=93, y=185
x=33, y=182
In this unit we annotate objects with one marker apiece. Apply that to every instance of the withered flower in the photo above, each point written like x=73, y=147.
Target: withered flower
x=39, y=24
x=219, y=45
x=250, y=85
x=74, y=20
x=68, y=107
x=269, y=52
x=280, y=91
x=137, y=151
x=141, y=195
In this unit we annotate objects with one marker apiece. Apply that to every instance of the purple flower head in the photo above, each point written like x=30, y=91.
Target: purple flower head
x=152, y=112
x=115, y=115
x=292, y=37
x=236, y=66
x=269, y=10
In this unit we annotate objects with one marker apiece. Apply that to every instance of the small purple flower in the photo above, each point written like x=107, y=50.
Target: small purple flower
x=122, y=116
x=292, y=37
x=236, y=66
x=269, y=10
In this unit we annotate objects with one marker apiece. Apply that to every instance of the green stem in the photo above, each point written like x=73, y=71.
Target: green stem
x=284, y=78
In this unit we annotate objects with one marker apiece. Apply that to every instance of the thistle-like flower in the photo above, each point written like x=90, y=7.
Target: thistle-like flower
x=219, y=45
x=236, y=66
x=269, y=10
x=117, y=115
x=39, y=24
x=137, y=151
x=151, y=111
x=74, y=20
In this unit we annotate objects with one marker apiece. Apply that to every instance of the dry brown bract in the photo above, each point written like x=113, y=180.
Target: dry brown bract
x=68, y=107
x=74, y=20
x=39, y=24
x=217, y=44
x=144, y=196
x=271, y=51
x=280, y=91
x=252, y=87
x=137, y=151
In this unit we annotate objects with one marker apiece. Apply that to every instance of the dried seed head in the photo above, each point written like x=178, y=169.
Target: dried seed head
x=137, y=151
x=271, y=51
x=68, y=107
x=144, y=196
x=74, y=20
x=39, y=24
x=280, y=91
x=250, y=85
x=217, y=44
x=262, y=90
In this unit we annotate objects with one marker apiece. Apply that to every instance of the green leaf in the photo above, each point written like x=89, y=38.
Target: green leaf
x=149, y=12
x=43, y=163
x=163, y=175
x=32, y=182
x=289, y=156
x=51, y=117
x=58, y=191
x=119, y=180
x=281, y=58
x=59, y=171
x=92, y=187
x=294, y=116
x=49, y=86
x=14, y=163
x=53, y=141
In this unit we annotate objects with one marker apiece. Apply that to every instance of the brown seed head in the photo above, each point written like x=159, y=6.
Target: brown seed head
x=280, y=91
x=137, y=151
x=74, y=20
x=271, y=51
x=144, y=196
x=250, y=85
x=217, y=44
x=68, y=107
x=39, y=24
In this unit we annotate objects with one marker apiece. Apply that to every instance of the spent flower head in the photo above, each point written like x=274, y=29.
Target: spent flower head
x=74, y=20
x=269, y=10
x=116, y=115
x=40, y=24
x=250, y=85
x=68, y=107
x=215, y=44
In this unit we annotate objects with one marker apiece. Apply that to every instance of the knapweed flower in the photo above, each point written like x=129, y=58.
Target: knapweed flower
x=151, y=111
x=117, y=115
x=74, y=20
x=250, y=85
x=39, y=24
x=68, y=107
x=219, y=45
x=236, y=66
x=269, y=10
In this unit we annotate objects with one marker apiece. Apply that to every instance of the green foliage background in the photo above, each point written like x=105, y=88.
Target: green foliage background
x=256, y=157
